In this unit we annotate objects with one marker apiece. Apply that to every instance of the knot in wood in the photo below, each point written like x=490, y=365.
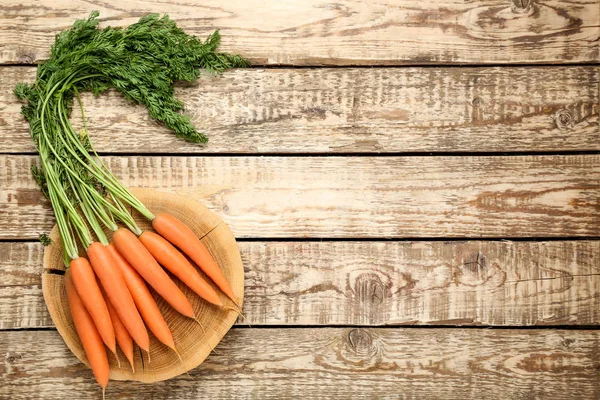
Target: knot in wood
x=26, y=59
x=11, y=358
x=563, y=119
x=370, y=293
x=369, y=288
x=360, y=341
x=522, y=6
x=476, y=270
x=476, y=262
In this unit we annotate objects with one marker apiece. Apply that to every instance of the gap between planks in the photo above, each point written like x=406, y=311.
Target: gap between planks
x=325, y=239
x=387, y=66
x=241, y=325
x=333, y=155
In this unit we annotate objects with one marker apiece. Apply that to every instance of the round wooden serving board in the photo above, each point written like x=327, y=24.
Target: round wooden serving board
x=193, y=345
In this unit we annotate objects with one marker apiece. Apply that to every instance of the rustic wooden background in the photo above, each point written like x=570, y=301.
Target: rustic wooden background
x=425, y=227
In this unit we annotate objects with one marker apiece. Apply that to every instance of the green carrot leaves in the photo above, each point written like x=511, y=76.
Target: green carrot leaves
x=141, y=61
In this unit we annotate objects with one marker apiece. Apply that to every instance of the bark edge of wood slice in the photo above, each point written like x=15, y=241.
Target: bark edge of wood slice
x=193, y=345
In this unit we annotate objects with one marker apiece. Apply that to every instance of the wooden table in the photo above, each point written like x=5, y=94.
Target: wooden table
x=427, y=227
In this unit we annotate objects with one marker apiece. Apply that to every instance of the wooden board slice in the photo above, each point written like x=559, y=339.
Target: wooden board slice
x=193, y=345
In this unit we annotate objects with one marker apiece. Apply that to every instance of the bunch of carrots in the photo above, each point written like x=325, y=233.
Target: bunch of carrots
x=108, y=291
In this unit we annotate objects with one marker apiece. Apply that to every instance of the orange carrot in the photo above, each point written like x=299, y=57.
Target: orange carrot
x=170, y=258
x=88, y=334
x=116, y=290
x=91, y=296
x=143, y=299
x=183, y=237
x=140, y=258
x=124, y=339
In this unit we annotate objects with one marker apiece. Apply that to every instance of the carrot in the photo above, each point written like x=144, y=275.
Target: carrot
x=116, y=290
x=183, y=237
x=88, y=334
x=91, y=296
x=140, y=258
x=143, y=299
x=170, y=258
x=124, y=339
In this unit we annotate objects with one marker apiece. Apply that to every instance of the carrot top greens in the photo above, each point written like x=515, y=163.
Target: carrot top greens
x=142, y=61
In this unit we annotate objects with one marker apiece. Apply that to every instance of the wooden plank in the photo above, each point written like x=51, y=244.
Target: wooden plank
x=335, y=363
x=349, y=110
x=347, y=32
x=21, y=301
x=21, y=263
x=364, y=197
x=497, y=283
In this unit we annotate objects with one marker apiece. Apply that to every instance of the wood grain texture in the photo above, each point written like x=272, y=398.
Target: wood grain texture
x=349, y=110
x=346, y=32
x=335, y=363
x=21, y=263
x=497, y=283
x=364, y=197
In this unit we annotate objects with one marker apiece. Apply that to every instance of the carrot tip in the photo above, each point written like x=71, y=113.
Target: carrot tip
x=201, y=327
x=235, y=302
x=131, y=364
x=237, y=310
x=204, y=334
x=179, y=356
x=180, y=360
